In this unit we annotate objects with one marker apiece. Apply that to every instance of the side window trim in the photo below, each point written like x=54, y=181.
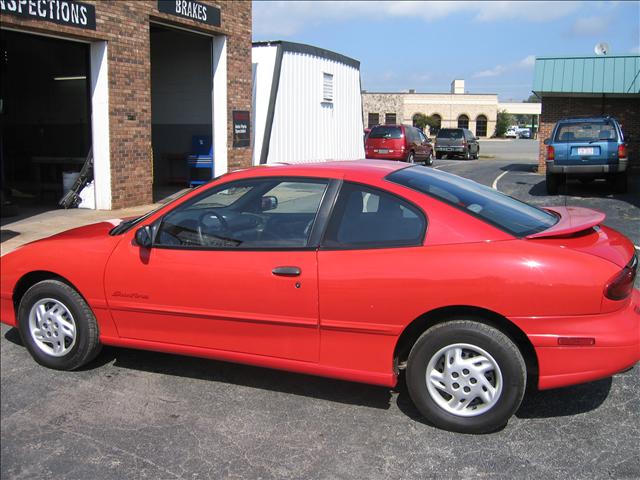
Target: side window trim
x=421, y=213
x=157, y=224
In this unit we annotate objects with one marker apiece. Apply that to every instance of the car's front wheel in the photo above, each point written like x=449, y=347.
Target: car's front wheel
x=466, y=376
x=57, y=326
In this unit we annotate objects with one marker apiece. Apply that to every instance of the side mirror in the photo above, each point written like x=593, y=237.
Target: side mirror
x=268, y=203
x=547, y=141
x=143, y=237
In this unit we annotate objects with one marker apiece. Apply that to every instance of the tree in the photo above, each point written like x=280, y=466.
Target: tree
x=503, y=122
x=421, y=121
x=533, y=98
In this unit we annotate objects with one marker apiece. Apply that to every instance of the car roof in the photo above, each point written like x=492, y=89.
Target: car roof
x=585, y=119
x=373, y=169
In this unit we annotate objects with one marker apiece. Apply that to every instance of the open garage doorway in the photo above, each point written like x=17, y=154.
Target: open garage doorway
x=181, y=106
x=45, y=119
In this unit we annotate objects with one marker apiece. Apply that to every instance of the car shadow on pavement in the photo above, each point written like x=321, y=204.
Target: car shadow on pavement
x=596, y=188
x=562, y=402
x=246, y=376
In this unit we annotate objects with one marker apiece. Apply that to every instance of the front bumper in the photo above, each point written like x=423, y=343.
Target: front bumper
x=616, y=347
x=621, y=166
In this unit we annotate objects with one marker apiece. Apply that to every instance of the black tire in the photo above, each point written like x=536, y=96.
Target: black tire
x=467, y=154
x=438, y=156
x=411, y=158
x=85, y=344
x=477, y=154
x=552, y=184
x=507, y=382
x=620, y=183
x=429, y=159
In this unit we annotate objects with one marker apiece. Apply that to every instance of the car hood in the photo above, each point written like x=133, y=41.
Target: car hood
x=95, y=230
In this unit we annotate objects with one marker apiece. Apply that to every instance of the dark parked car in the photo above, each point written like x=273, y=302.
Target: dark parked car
x=458, y=142
x=524, y=133
x=399, y=142
x=586, y=148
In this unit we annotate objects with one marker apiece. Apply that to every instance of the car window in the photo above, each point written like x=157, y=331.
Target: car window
x=366, y=217
x=454, y=133
x=250, y=214
x=423, y=139
x=385, y=132
x=585, y=132
x=513, y=216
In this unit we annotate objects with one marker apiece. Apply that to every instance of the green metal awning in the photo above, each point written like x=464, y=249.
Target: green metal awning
x=617, y=75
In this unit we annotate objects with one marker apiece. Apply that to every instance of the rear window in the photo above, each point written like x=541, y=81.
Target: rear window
x=386, y=132
x=450, y=133
x=585, y=132
x=513, y=216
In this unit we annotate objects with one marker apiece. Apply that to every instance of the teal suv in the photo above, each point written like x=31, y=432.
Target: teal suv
x=586, y=149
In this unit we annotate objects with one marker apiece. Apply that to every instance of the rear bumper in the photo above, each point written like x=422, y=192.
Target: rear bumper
x=395, y=155
x=449, y=149
x=616, y=347
x=552, y=167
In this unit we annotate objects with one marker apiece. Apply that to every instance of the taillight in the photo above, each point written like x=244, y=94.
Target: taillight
x=621, y=285
x=622, y=151
x=551, y=152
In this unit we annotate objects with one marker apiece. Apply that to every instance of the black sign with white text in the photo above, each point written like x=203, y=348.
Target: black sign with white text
x=241, y=128
x=63, y=12
x=191, y=9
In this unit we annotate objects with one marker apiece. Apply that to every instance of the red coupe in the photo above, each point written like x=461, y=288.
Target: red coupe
x=352, y=270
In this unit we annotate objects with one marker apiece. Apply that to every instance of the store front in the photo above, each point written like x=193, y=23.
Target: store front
x=132, y=84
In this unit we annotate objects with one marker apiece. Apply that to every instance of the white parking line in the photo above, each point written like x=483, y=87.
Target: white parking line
x=494, y=185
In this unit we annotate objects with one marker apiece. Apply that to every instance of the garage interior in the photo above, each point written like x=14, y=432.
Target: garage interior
x=45, y=119
x=181, y=106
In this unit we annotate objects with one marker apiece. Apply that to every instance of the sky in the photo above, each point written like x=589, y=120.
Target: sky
x=425, y=45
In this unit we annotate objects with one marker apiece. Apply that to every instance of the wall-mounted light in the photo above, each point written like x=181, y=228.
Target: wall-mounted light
x=59, y=79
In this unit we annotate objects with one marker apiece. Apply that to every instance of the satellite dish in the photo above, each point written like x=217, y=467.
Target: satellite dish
x=601, y=48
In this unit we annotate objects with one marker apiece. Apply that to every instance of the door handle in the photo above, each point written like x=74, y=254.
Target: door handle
x=287, y=271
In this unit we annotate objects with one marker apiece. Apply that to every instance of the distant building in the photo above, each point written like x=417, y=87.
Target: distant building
x=476, y=111
x=307, y=105
x=589, y=86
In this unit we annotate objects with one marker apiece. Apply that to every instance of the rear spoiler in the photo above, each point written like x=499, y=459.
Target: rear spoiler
x=571, y=220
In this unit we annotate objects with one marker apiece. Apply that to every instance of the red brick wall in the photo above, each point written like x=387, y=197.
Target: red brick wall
x=125, y=25
x=625, y=110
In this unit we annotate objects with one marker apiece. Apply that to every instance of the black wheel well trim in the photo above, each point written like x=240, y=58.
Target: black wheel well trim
x=29, y=279
x=417, y=327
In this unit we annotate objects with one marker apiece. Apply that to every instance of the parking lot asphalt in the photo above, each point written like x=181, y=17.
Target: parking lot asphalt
x=136, y=414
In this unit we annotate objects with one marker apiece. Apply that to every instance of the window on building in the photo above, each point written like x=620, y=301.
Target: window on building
x=390, y=118
x=481, y=126
x=327, y=87
x=374, y=119
x=463, y=121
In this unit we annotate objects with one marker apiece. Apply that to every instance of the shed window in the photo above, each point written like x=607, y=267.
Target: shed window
x=390, y=118
x=374, y=119
x=327, y=87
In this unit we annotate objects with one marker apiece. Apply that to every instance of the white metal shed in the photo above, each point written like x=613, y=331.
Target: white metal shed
x=307, y=104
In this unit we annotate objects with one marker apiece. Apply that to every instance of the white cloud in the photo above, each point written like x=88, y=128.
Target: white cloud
x=285, y=18
x=526, y=63
x=590, y=26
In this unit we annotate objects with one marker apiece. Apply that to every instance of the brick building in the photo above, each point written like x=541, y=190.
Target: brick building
x=135, y=81
x=590, y=86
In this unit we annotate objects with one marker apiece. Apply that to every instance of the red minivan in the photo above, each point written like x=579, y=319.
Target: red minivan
x=399, y=142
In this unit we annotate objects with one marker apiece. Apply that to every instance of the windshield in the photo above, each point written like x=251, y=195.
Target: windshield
x=513, y=216
x=386, y=132
x=585, y=132
x=450, y=133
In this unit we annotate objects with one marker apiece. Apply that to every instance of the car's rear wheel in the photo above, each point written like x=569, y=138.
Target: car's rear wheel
x=411, y=158
x=477, y=154
x=552, y=184
x=466, y=376
x=57, y=326
x=467, y=154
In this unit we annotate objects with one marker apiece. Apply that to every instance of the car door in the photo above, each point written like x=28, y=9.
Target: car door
x=230, y=269
x=370, y=266
x=425, y=145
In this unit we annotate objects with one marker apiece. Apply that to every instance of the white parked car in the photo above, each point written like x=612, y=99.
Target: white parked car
x=512, y=132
